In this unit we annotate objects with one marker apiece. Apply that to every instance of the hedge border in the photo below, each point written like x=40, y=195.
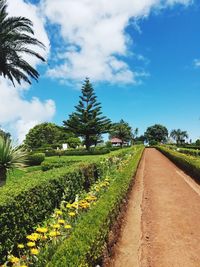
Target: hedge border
x=86, y=244
x=189, y=164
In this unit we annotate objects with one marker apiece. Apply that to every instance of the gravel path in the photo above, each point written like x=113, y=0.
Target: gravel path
x=162, y=223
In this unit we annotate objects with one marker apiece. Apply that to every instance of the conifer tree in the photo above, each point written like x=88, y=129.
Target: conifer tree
x=87, y=121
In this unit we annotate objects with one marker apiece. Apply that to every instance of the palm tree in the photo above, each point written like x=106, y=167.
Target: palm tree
x=179, y=135
x=121, y=130
x=11, y=157
x=15, y=39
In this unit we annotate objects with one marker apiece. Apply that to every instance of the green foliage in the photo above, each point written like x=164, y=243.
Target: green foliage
x=87, y=121
x=46, y=136
x=86, y=244
x=121, y=130
x=15, y=41
x=28, y=202
x=36, y=159
x=157, y=133
x=197, y=143
x=11, y=157
x=73, y=142
x=57, y=164
x=189, y=164
x=4, y=134
x=179, y=136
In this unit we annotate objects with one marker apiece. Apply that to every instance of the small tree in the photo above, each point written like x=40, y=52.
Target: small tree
x=73, y=142
x=179, y=136
x=87, y=121
x=121, y=130
x=156, y=133
x=11, y=157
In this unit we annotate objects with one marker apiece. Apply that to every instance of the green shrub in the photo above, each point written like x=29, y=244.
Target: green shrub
x=189, y=164
x=45, y=166
x=24, y=205
x=36, y=159
x=85, y=246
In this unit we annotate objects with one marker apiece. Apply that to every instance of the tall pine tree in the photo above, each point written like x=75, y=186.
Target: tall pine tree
x=87, y=121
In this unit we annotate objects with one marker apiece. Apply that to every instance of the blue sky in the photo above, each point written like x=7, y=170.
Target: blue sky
x=147, y=72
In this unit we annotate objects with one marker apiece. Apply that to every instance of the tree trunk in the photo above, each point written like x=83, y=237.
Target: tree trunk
x=2, y=176
x=87, y=142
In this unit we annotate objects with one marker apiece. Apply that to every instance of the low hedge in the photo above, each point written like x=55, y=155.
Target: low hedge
x=48, y=165
x=86, y=244
x=23, y=205
x=189, y=164
x=36, y=159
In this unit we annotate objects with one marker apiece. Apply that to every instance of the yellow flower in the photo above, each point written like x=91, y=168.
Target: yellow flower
x=56, y=226
x=33, y=237
x=71, y=214
x=13, y=259
x=20, y=246
x=59, y=212
x=44, y=237
x=61, y=221
x=68, y=206
x=42, y=230
x=68, y=226
x=34, y=251
x=31, y=244
x=23, y=266
x=54, y=233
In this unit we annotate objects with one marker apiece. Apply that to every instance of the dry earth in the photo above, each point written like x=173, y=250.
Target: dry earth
x=162, y=224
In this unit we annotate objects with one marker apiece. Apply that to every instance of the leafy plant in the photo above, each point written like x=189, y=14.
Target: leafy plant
x=36, y=159
x=15, y=41
x=11, y=157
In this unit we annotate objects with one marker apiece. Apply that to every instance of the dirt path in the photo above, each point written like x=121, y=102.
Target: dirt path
x=162, y=222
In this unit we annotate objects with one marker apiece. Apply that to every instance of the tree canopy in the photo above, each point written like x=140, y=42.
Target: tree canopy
x=15, y=41
x=121, y=130
x=87, y=121
x=46, y=134
x=179, y=136
x=156, y=133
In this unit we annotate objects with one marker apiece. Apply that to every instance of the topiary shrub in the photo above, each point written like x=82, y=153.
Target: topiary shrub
x=36, y=159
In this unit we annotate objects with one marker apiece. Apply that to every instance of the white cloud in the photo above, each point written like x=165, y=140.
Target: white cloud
x=17, y=114
x=196, y=63
x=97, y=29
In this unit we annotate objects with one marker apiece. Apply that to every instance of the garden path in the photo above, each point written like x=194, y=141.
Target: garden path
x=162, y=223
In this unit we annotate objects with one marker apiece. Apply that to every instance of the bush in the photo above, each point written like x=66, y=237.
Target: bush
x=36, y=159
x=189, y=164
x=85, y=246
x=45, y=166
x=24, y=205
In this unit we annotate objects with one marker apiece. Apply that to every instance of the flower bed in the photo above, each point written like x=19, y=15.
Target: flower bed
x=85, y=245
x=24, y=205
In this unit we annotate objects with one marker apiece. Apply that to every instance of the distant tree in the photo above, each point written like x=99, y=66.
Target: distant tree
x=73, y=142
x=197, y=143
x=16, y=41
x=46, y=134
x=11, y=157
x=87, y=121
x=4, y=134
x=136, y=131
x=121, y=130
x=179, y=136
x=96, y=139
x=156, y=133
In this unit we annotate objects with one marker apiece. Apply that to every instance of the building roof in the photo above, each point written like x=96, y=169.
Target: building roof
x=116, y=140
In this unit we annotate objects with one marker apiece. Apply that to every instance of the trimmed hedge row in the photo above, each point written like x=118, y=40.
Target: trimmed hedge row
x=23, y=205
x=35, y=159
x=86, y=244
x=189, y=164
x=45, y=166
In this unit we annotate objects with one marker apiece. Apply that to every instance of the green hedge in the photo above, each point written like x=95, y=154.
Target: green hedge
x=23, y=205
x=36, y=159
x=86, y=244
x=189, y=164
x=48, y=165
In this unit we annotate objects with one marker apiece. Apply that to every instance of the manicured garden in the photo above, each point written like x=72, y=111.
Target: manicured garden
x=91, y=182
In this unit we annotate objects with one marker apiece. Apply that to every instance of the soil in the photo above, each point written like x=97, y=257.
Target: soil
x=161, y=226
